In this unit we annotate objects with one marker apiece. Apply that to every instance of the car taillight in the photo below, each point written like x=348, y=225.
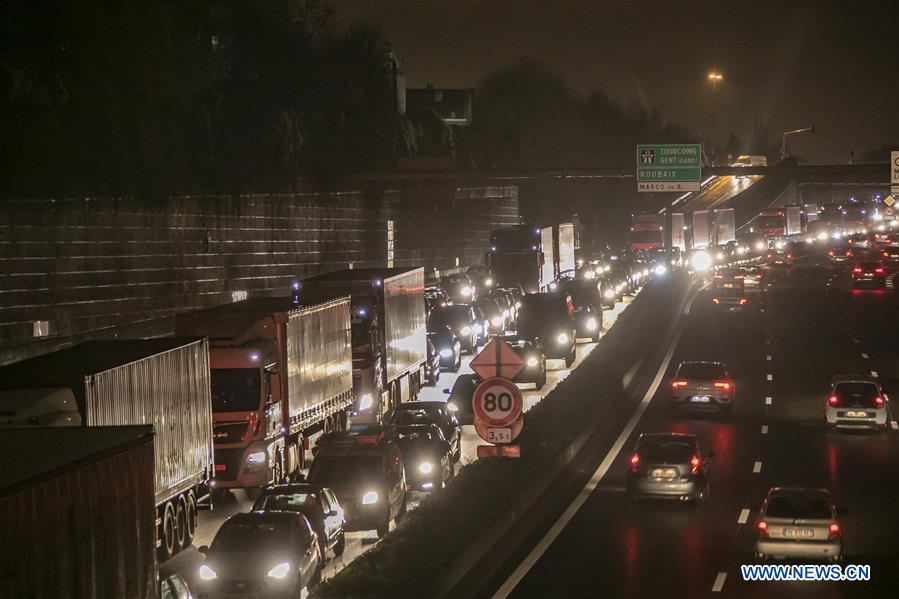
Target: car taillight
x=718, y=277
x=834, y=529
x=722, y=385
x=676, y=384
x=789, y=255
x=743, y=301
x=695, y=462
x=878, y=270
x=878, y=402
x=830, y=253
x=635, y=462
x=762, y=527
x=848, y=253
x=833, y=400
x=856, y=271
x=738, y=278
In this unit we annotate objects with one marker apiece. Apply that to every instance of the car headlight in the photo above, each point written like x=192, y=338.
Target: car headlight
x=506, y=314
x=606, y=268
x=553, y=286
x=591, y=324
x=366, y=401
x=719, y=256
x=257, y=457
x=452, y=407
x=660, y=269
x=488, y=282
x=446, y=353
x=465, y=290
x=478, y=329
x=517, y=305
x=496, y=321
x=279, y=571
x=563, y=337
x=609, y=293
x=759, y=245
x=532, y=361
x=779, y=245
x=589, y=274
x=207, y=573
x=466, y=331
x=645, y=272
x=370, y=498
x=701, y=261
x=425, y=467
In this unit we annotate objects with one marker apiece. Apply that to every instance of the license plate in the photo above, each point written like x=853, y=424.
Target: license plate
x=499, y=435
x=701, y=399
x=799, y=532
x=663, y=473
x=856, y=414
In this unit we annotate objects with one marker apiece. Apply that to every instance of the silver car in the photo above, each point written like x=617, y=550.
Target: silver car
x=668, y=465
x=856, y=402
x=796, y=522
x=702, y=386
x=261, y=554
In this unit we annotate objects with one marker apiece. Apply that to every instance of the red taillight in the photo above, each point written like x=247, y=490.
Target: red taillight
x=878, y=402
x=762, y=527
x=723, y=384
x=830, y=253
x=695, y=462
x=848, y=253
x=743, y=302
x=835, y=529
x=833, y=400
x=879, y=270
x=676, y=384
x=856, y=271
x=635, y=462
x=789, y=255
x=718, y=277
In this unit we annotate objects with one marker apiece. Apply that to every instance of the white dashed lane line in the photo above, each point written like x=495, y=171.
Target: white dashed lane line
x=769, y=400
x=764, y=429
x=768, y=358
x=864, y=355
x=874, y=373
x=719, y=582
x=744, y=516
x=757, y=467
x=770, y=377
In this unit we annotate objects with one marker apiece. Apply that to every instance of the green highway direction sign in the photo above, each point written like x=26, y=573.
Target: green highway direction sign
x=669, y=167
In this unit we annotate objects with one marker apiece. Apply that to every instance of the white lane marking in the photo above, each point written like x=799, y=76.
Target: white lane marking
x=744, y=516
x=764, y=429
x=757, y=467
x=768, y=358
x=874, y=373
x=767, y=342
x=761, y=309
x=719, y=582
x=864, y=355
x=537, y=552
x=769, y=400
x=854, y=340
x=770, y=377
x=895, y=425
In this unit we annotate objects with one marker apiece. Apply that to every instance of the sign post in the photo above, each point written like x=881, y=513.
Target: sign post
x=497, y=403
x=669, y=167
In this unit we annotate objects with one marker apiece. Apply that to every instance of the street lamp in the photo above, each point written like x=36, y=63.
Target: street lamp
x=783, y=142
x=715, y=77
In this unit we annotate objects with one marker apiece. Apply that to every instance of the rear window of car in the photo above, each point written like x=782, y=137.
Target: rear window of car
x=346, y=471
x=674, y=452
x=798, y=506
x=702, y=371
x=861, y=393
x=252, y=535
x=285, y=502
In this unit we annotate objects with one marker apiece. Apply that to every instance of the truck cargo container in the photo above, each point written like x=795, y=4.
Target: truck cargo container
x=724, y=230
x=163, y=382
x=647, y=231
x=793, y=220
x=279, y=373
x=388, y=332
x=678, y=229
x=531, y=256
x=78, y=512
x=702, y=229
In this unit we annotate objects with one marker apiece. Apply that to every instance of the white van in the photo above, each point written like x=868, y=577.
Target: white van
x=751, y=161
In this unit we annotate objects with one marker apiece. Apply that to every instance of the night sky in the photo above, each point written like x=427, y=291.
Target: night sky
x=833, y=64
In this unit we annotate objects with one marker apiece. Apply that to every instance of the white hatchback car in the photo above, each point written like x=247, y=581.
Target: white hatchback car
x=856, y=401
x=796, y=522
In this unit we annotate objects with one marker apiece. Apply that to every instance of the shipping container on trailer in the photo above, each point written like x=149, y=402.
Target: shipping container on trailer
x=725, y=226
x=533, y=255
x=162, y=382
x=702, y=229
x=280, y=372
x=78, y=512
x=677, y=231
x=388, y=330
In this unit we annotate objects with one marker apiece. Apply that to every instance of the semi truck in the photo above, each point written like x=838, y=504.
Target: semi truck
x=532, y=256
x=702, y=229
x=647, y=231
x=777, y=222
x=724, y=226
x=163, y=382
x=388, y=333
x=280, y=372
x=78, y=512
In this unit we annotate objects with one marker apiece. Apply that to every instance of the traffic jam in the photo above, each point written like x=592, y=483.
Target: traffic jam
x=318, y=420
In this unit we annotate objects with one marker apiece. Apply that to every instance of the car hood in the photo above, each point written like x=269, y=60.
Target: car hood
x=246, y=565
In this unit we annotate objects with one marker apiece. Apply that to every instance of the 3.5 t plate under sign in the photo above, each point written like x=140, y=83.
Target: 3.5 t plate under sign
x=499, y=435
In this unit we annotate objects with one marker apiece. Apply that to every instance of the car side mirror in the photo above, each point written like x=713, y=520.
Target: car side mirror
x=204, y=549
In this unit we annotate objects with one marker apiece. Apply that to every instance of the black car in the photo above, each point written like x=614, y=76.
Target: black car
x=670, y=466
x=531, y=353
x=464, y=322
x=459, y=400
x=432, y=363
x=608, y=291
x=481, y=277
x=319, y=505
x=505, y=303
x=587, y=300
x=448, y=347
x=435, y=297
x=869, y=275
x=492, y=315
x=431, y=412
x=459, y=287
x=427, y=456
x=549, y=317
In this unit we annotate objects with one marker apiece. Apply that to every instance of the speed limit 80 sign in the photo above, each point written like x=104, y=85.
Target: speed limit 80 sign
x=497, y=402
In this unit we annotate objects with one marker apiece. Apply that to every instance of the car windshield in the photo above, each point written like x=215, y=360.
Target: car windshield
x=456, y=279
x=417, y=433
x=345, y=471
x=286, y=502
x=701, y=370
x=798, y=506
x=450, y=316
x=235, y=389
x=672, y=452
x=252, y=535
x=416, y=416
x=856, y=393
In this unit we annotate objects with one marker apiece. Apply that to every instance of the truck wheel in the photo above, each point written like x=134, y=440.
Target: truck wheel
x=168, y=549
x=190, y=514
x=180, y=525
